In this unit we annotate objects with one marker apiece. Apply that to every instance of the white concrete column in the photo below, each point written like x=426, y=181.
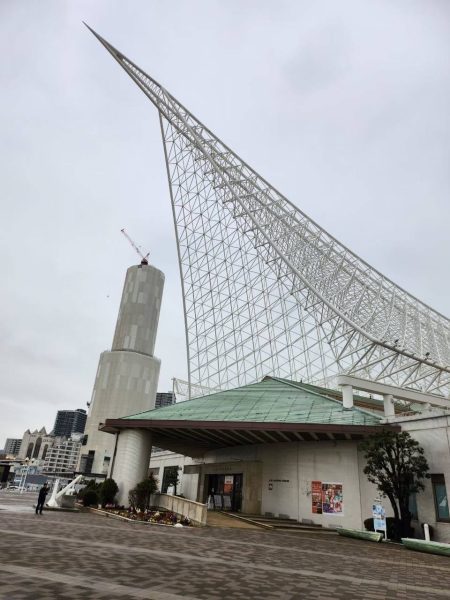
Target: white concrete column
x=389, y=408
x=347, y=396
x=132, y=460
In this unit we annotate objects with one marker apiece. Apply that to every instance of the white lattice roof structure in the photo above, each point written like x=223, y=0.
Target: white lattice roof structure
x=266, y=290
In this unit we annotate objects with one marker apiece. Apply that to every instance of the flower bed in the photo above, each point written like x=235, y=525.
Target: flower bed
x=153, y=515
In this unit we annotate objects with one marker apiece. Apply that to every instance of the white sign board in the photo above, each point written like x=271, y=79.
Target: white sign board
x=379, y=517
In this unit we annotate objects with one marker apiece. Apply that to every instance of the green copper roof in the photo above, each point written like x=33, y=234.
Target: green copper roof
x=269, y=401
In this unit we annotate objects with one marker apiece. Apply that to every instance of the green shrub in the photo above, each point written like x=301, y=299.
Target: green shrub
x=139, y=497
x=90, y=498
x=107, y=492
x=90, y=485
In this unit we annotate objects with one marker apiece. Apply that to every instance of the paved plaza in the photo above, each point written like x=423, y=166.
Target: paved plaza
x=79, y=556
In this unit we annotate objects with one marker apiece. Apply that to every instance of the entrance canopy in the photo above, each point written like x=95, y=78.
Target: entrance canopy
x=271, y=411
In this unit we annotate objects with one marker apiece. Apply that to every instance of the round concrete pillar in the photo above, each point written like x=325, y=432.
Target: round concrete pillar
x=132, y=460
x=389, y=407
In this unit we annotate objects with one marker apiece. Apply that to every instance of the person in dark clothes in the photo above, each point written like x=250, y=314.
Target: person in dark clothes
x=41, y=499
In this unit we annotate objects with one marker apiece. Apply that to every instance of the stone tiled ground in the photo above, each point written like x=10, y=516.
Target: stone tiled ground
x=79, y=556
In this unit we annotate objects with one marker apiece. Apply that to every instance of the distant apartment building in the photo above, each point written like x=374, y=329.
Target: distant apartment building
x=165, y=399
x=62, y=457
x=12, y=446
x=69, y=421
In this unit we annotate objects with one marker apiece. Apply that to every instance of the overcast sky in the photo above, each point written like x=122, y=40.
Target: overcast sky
x=343, y=106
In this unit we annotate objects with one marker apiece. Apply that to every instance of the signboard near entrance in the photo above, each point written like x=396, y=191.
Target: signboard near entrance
x=379, y=516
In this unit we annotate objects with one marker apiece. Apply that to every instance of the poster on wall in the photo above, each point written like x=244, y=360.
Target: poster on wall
x=228, y=484
x=316, y=497
x=327, y=498
x=332, y=499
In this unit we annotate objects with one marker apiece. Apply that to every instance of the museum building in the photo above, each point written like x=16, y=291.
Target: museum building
x=283, y=448
x=276, y=446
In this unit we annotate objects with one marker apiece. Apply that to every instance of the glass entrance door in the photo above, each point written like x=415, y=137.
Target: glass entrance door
x=225, y=491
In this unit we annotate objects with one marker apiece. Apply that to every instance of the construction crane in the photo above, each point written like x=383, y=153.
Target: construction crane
x=144, y=260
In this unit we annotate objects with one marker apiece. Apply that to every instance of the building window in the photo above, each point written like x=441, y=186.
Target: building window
x=170, y=477
x=440, y=498
x=86, y=462
x=106, y=461
x=413, y=507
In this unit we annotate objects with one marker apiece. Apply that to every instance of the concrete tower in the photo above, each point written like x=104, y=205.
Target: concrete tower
x=127, y=375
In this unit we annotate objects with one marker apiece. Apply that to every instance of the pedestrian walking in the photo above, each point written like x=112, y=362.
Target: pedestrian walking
x=41, y=498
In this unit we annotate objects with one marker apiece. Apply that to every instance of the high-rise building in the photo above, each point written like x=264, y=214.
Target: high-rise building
x=69, y=421
x=12, y=446
x=127, y=375
x=165, y=399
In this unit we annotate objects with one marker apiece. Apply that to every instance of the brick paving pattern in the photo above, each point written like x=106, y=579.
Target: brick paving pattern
x=83, y=556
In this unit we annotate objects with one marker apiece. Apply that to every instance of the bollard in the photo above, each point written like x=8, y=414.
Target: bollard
x=426, y=531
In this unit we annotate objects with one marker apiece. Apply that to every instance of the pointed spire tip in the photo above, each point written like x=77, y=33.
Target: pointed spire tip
x=99, y=37
x=106, y=44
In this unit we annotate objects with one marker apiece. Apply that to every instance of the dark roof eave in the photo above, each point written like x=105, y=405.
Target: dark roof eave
x=115, y=425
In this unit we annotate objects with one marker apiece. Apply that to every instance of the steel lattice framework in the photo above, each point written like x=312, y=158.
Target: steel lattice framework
x=268, y=291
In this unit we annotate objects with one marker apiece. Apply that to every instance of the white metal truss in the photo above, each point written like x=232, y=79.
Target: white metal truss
x=185, y=390
x=266, y=290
